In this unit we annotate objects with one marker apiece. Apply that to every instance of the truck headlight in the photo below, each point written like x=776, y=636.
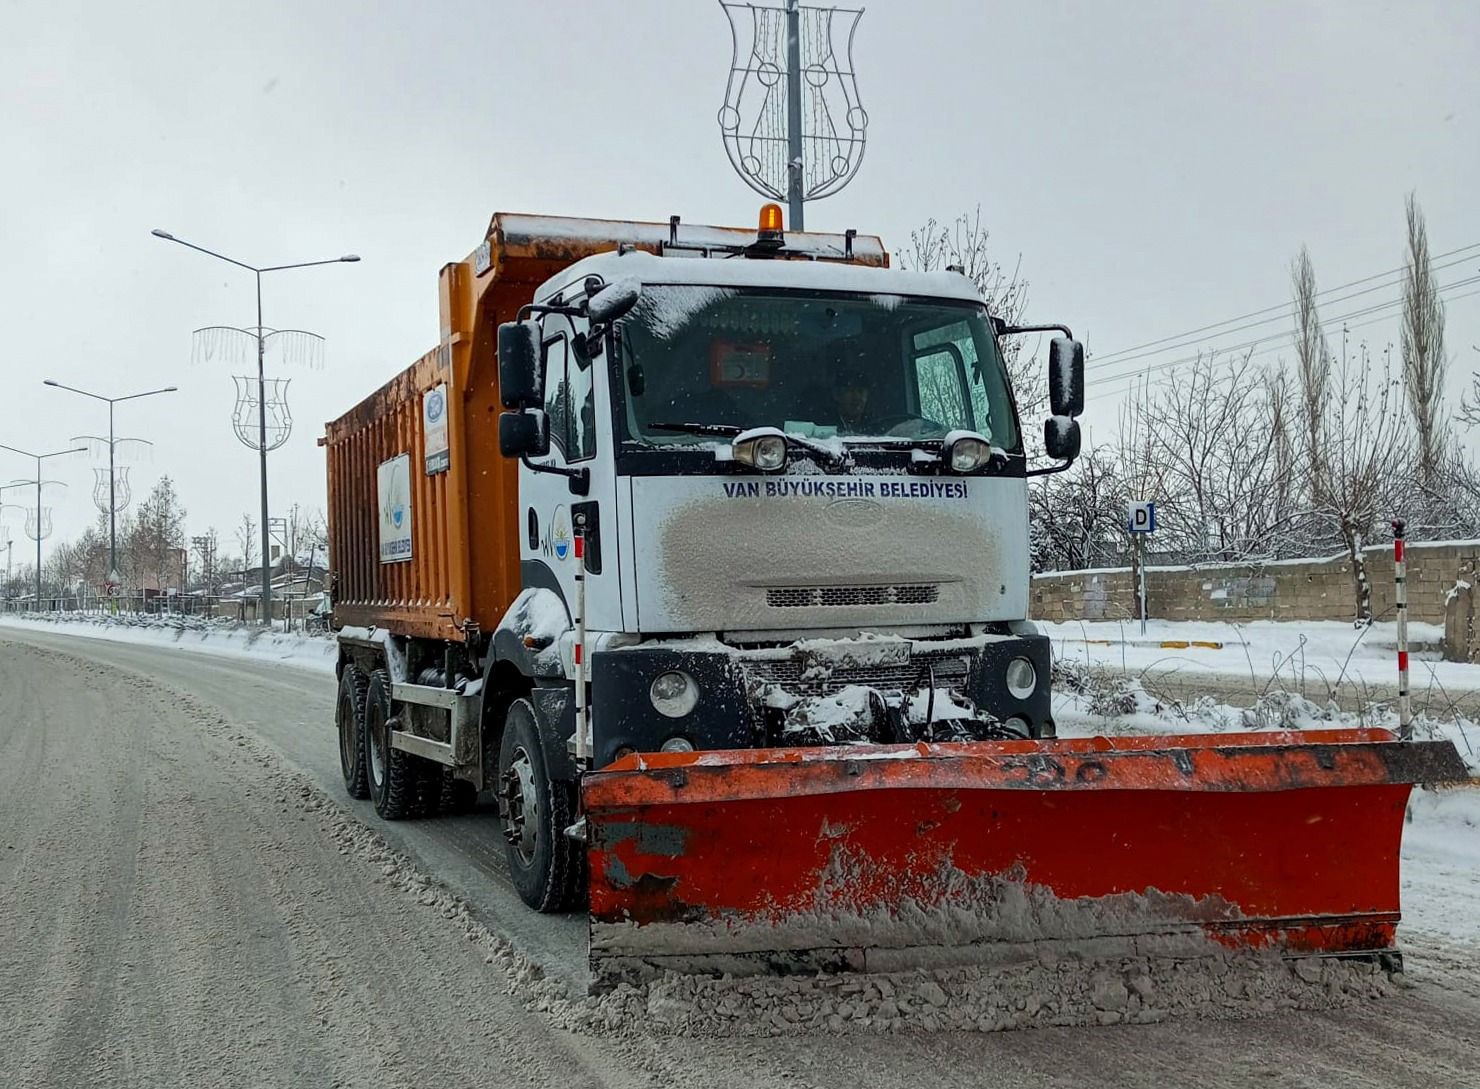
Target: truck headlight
x=766, y=452
x=968, y=454
x=1022, y=678
x=678, y=744
x=674, y=693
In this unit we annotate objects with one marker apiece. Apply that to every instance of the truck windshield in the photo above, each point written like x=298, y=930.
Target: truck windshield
x=861, y=368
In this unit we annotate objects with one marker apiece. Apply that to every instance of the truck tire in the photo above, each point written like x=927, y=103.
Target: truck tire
x=391, y=774
x=547, y=867
x=349, y=717
x=459, y=796
x=428, y=801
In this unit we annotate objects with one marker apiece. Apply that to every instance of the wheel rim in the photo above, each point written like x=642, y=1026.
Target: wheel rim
x=521, y=806
x=346, y=735
x=376, y=746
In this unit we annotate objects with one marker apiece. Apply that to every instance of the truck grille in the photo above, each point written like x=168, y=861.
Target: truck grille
x=805, y=679
x=803, y=597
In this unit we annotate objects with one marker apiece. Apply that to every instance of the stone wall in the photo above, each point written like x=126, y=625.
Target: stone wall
x=1281, y=590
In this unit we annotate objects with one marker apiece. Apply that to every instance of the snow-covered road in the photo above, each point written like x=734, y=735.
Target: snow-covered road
x=187, y=898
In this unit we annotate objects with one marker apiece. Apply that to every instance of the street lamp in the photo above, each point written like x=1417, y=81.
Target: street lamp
x=261, y=389
x=112, y=484
x=39, y=459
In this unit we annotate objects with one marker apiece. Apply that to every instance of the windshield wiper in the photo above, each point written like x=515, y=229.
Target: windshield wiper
x=836, y=458
x=725, y=430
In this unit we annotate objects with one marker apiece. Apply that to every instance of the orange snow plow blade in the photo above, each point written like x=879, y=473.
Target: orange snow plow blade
x=881, y=858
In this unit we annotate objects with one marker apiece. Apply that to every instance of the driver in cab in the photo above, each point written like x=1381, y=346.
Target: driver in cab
x=850, y=400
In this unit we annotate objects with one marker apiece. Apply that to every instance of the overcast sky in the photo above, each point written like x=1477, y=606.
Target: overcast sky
x=1155, y=164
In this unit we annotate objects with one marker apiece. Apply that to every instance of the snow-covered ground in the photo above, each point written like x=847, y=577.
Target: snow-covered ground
x=205, y=635
x=1310, y=656
x=1099, y=690
x=1441, y=865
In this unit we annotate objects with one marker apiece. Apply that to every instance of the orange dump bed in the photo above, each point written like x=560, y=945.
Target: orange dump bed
x=434, y=547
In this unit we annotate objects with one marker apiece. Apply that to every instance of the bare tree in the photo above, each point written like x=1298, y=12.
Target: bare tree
x=246, y=540
x=1204, y=442
x=1469, y=408
x=1424, y=363
x=1362, y=447
x=157, y=536
x=1313, y=358
x=1077, y=517
x=964, y=245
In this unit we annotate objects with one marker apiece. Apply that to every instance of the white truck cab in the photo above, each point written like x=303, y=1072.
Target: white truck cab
x=801, y=487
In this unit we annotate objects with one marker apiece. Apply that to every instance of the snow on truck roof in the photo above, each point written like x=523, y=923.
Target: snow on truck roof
x=515, y=229
x=648, y=269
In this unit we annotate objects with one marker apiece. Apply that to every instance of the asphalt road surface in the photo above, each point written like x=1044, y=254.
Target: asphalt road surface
x=181, y=905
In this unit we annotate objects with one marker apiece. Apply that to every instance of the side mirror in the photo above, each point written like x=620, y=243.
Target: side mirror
x=1061, y=437
x=524, y=434
x=1066, y=377
x=613, y=301
x=519, y=364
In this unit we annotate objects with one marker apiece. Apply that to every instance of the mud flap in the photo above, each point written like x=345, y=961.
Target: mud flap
x=882, y=858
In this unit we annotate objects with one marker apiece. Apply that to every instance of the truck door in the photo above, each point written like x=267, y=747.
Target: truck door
x=575, y=392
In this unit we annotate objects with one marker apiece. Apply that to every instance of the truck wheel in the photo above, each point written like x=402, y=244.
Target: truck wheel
x=391, y=773
x=546, y=866
x=349, y=716
x=458, y=795
x=428, y=801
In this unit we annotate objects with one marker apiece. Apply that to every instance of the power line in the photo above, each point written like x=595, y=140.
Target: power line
x=1112, y=357
x=1133, y=375
x=1130, y=380
x=1286, y=311
x=1325, y=322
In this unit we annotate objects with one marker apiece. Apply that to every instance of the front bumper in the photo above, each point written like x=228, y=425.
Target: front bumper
x=758, y=696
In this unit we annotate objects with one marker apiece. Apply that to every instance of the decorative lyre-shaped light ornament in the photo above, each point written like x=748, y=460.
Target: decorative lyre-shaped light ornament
x=38, y=523
x=793, y=125
x=291, y=347
x=244, y=418
x=123, y=453
x=115, y=495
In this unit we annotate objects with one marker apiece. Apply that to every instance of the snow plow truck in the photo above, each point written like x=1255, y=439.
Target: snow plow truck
x=704, y=552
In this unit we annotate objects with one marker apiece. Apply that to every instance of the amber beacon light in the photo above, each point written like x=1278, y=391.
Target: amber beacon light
x=772, y=228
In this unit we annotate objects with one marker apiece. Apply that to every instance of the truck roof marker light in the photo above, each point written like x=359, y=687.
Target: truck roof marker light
x=772, y=226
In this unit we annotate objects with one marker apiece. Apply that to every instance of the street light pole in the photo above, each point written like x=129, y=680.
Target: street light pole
x=262, y=457
x=39, y=459
x=112, y=441
x=266, y=616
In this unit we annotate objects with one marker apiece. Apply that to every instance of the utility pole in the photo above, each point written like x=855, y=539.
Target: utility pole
x=113, y=442
x=262, y=446
x=39, y=458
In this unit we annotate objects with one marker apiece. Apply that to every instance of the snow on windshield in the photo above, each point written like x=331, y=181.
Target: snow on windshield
x=668, y=310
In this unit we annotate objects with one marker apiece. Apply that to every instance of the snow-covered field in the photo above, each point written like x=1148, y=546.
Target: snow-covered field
x=1308, y=655
x=204, y=635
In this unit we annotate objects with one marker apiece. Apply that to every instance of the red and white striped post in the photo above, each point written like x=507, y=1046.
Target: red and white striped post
x=1400, y=603
x=583, y=739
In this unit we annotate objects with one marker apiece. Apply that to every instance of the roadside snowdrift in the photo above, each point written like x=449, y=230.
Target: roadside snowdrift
x=204, y=635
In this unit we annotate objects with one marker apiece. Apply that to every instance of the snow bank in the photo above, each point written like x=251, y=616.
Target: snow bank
x=202, y=635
